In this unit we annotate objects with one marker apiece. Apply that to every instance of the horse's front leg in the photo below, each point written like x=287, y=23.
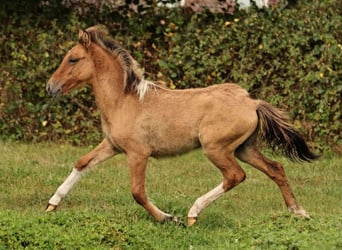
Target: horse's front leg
x=102, y=152
x=137, y=164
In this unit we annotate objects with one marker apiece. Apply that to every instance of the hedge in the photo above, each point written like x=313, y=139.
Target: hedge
x=289, y=56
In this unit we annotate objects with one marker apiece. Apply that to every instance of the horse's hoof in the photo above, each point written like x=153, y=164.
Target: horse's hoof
x=191, y=221
x=298, y=210
x=50, y=208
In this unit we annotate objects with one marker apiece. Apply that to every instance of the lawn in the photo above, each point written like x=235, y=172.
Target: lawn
x=101, y=214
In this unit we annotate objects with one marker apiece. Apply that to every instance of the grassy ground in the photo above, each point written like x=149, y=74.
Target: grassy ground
x=101, y=214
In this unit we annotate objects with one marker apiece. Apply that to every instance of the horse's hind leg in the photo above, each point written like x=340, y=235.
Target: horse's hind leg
x=102, y=152
x=233, y=174
x=249, y=154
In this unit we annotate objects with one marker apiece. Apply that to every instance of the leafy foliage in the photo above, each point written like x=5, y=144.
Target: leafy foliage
x=289, y=56
x=32, y=50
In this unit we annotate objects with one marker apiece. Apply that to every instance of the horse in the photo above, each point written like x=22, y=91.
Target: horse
x=142, y=119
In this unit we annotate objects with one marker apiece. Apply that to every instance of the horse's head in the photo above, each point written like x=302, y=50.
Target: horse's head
x=75, y=70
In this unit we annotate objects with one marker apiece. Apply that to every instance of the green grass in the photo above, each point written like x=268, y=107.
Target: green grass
x=101, y=214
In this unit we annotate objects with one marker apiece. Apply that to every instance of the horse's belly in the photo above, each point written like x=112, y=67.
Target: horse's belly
x=173, y=141
x=173, y=147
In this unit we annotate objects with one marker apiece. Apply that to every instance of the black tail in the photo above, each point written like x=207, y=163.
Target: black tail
x=278, y=133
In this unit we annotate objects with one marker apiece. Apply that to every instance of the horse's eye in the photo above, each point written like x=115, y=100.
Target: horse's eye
x=73, y=60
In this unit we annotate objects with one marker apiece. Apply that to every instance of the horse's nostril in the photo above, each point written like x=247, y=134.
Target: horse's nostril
x=53, y=90
x=48, y=88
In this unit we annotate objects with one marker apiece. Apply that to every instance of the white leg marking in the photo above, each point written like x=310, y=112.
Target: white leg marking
x=65, y=188
x=205, y=200
x=298, y=210
x=162, y=215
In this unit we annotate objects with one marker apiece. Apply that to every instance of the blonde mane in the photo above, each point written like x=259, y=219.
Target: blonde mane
x=134, y=79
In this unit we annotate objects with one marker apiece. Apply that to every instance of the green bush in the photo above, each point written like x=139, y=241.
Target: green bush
x=32, y=49
x=289, y=56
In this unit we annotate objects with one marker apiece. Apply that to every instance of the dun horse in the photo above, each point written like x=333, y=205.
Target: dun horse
x=142, y=119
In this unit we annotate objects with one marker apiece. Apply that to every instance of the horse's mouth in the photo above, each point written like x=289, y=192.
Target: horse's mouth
x=56, y=88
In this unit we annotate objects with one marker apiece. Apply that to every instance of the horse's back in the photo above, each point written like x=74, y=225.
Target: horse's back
x=179, y=120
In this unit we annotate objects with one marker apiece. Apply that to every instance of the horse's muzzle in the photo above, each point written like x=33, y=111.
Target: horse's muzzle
x=54, y=88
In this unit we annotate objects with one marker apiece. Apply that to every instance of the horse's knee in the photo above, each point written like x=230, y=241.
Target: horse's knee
x=234, y=178
x=232, y=172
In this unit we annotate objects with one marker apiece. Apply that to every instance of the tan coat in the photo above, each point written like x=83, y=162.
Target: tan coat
x=142, y=119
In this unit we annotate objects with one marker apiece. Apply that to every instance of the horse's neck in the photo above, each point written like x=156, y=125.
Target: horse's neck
x=108, y=85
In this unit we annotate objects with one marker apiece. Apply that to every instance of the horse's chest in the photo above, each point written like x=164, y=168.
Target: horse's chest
x=113, y=135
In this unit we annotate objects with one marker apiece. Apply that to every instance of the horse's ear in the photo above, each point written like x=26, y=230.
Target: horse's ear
x=84, y=38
